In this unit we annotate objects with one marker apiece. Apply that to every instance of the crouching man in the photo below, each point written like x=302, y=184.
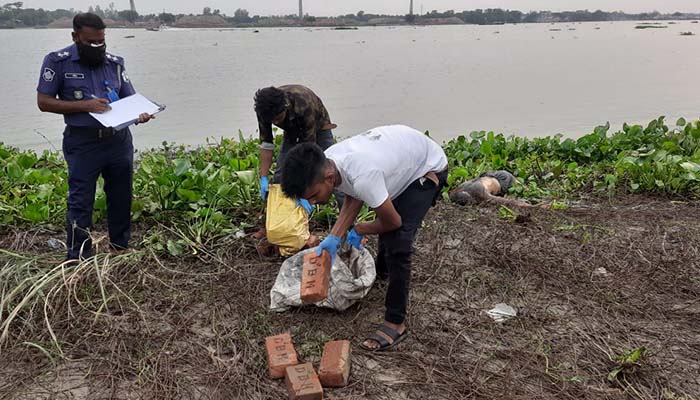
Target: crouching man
x=399, y=173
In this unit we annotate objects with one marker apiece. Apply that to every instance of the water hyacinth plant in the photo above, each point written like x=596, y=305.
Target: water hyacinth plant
x=217, y=184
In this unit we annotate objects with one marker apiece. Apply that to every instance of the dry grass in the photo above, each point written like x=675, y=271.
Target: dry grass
x=144, y=325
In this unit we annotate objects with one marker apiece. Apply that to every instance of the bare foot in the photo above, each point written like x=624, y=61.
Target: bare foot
x=260, y=234
x=267, y=249
x=312, y=242
x=374, y=345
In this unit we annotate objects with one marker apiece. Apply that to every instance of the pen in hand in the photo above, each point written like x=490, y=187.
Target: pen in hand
x=99, y=106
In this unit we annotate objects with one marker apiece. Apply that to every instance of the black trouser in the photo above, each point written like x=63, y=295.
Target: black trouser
x=90, y=154
x=396, y=247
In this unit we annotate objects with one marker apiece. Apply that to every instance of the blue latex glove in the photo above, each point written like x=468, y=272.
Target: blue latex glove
x=264, y=187
x=331, y=244
x=354, y=239
x=305, y=203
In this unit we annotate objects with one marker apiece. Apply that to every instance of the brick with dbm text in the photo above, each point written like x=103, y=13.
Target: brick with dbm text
x=280, y=354
x=316, y=277
x=302, y=383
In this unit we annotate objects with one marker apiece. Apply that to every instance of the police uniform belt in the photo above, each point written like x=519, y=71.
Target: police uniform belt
x=100, y=133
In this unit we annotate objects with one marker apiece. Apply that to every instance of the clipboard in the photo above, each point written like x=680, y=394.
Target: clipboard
x=125, y=112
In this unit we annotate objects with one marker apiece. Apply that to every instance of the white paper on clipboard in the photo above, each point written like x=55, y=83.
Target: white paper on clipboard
x=126, y=111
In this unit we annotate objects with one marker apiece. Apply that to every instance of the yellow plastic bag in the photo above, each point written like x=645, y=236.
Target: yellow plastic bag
x=286, y=223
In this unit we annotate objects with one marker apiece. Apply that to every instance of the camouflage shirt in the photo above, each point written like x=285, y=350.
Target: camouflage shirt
x=306, y=116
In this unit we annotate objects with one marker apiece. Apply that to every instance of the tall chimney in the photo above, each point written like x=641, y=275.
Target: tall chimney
x=133, y=6
x=301, y=10
x=410, y=12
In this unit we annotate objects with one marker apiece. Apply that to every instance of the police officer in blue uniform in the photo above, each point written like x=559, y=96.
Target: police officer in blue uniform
x=74, y=82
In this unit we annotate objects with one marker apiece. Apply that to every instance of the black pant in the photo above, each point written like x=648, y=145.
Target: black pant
x=89, y=156
x=396, y=247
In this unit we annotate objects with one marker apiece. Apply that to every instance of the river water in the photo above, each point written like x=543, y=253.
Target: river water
x=530, y=79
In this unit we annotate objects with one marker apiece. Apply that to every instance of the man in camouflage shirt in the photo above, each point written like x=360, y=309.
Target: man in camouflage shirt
x=300, y=113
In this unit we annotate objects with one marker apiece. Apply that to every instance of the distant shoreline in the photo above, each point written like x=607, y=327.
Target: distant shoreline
x=344, y=26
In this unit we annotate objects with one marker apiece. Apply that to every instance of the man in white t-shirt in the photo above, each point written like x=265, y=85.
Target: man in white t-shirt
x=399, y=173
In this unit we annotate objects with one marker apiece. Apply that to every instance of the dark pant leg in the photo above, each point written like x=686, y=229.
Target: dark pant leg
x=380, y=263
x=84, y=167
x=118, y=177
x=324, y=139
x=413, y=204
x=284, y=149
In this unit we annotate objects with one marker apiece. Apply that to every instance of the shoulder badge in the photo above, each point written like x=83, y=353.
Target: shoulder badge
x=60, y=55
x=48, y=75
x=115, y=59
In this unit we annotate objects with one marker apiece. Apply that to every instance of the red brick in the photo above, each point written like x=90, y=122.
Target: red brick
x=335, y=364
x=302, y=383
x=315, y=277
x=280, y=354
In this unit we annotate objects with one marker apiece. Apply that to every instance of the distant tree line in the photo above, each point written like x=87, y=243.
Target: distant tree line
x=14, y=15
x=493, y=16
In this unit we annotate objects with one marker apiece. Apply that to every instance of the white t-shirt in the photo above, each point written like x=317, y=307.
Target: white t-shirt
x=381, y=163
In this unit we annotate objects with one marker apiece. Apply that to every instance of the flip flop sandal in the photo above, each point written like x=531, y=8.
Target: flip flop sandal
x=384, y=344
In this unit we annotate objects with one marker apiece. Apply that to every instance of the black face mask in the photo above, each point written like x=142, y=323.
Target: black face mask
x=92, y=56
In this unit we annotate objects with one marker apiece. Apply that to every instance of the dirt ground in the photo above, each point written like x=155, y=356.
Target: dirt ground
x=589, y=283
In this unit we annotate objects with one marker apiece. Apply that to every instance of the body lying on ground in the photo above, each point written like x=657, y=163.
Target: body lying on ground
x=490, y=187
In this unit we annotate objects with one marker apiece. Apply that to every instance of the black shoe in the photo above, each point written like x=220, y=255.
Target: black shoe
x=71, y=262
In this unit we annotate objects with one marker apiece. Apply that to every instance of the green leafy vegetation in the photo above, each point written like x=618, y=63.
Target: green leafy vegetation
x=626, y=363
x=652, y=159
x=213, y=189
x=33, y=188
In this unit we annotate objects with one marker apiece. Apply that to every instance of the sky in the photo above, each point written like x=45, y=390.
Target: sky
x=340, y=7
